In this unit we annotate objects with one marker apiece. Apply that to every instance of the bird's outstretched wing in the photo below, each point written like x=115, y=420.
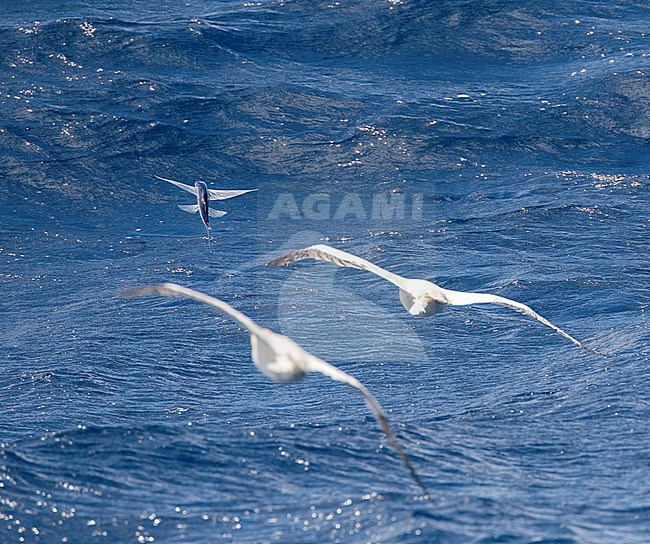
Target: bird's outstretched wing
x=184, y=186
x=219, y=194
x=172, y=290
x=322, y=252
x=461, y=298
x=315, y=364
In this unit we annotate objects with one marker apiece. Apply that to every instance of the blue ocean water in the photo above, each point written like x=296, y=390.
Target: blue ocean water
x=491, y=146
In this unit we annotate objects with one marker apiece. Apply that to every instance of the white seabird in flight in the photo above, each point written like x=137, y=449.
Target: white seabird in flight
x=282, y=360
x=421, y=298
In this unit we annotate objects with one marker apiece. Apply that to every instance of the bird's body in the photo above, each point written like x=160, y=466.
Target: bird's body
x=283, y=360
x=278, y=357
x=421, y=298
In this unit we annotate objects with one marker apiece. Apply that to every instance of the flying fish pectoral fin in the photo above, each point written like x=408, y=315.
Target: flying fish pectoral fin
x=180, y=185
x=224, y=194
x=216, y=213
x=189, y=208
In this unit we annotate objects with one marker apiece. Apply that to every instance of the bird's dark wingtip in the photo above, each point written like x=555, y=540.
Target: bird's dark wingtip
x=162, y=289
x=135, y=292
x=278, y=261
x=592, y=350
